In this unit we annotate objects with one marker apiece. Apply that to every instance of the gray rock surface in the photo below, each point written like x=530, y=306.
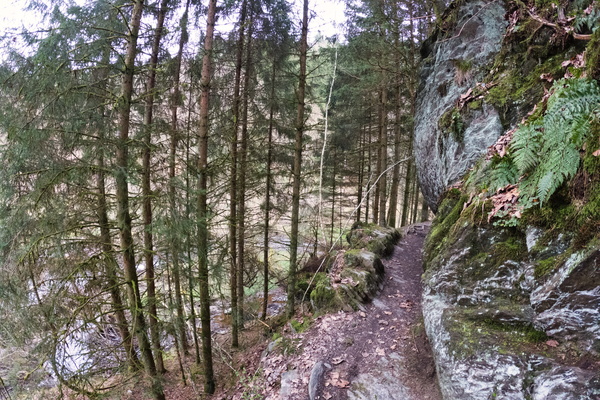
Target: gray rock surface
x=487, y=316
x=316, y=376
x=456, y=63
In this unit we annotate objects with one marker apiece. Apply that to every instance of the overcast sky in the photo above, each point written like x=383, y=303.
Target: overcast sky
x=328, y=15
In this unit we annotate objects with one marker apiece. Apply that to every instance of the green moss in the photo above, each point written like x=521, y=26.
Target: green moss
x=469, y=337
x=593, y=56
x=543, y=267
x=475, y=105
x=514, y=248
x=448, y=213
x=516, y=90
x=548, y=265
x=323, y=297
x=451, y=123
x=301, y=326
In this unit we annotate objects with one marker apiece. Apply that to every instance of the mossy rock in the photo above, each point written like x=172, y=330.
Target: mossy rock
x=374, y=238
x=357, y=282
x=449, y=211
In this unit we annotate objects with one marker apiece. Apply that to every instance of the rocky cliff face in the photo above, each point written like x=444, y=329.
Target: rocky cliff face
x=449, y=140
x=511, y=290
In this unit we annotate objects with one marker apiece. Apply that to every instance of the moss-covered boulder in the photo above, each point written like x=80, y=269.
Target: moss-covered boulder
x=355, y=274
x=374, y=238
x=354, y=279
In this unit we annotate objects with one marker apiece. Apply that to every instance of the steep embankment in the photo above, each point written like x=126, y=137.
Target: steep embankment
x=512, y=281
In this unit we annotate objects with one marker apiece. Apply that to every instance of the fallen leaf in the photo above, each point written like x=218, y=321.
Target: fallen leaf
x=596, y=153
x=383, y=322
x=552, y=343
x=327, y=396
x=342, y=383
x=387, y=312
x=337, y=360
x=393, y=347
x=380, y=352
x=362, y=314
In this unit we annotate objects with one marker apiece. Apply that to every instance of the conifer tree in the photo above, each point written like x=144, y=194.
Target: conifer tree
x=202, y=218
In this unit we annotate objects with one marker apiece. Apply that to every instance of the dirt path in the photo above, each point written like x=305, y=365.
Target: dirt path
x=380, y=352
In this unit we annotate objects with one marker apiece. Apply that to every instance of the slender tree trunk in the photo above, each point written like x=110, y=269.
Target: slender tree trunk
x=424, y=211
x=407, y=184
x=297, y=165
x=383, y=154
x=378, y=164
x=111, y=264
x=233, y=151
x=268, y=196
x=415, y=203
x=173, y=215
x=123, y=214
x=333, y=196
x=209, y=380
x=361, y=173
x=369, y=166
x=175, y=339
x=243, y=156
x=147, y=191
x=188, y=213
x=393, y=210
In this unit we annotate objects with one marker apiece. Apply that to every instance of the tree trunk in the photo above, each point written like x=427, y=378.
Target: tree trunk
x=147, y=191
x=111, y=264
x=393, y=210
x=369, y=166
x=209, y=380
x=361, y=173
x=297, y=165
x=407, y=184
x=123, y=215
x=243, y=155
x=173, y=215
x=233, y=151
x=333, y=188
x=268, y=197
x=415, y=203
x=383, y=156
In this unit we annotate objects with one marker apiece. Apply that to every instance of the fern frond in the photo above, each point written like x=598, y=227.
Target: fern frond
x=546, y=186
x=502, y=174
x=526, y=146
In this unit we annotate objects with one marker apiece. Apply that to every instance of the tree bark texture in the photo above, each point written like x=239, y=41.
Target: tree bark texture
x=123, y=213
x=202, y=220
x=297, y=165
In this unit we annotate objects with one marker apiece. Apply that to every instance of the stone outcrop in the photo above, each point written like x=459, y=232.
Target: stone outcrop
x=355, y=274
x=449, y=139
x=511, y=314
x=512, y=308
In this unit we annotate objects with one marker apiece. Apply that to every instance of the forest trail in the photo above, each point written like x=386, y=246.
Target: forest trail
x=380, y=352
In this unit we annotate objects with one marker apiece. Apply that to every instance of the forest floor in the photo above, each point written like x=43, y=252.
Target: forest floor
x=379, y=352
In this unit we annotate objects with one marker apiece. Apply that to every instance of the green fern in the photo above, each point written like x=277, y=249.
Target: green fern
x=526, y=145
x=502, y=172
x=547, y=151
